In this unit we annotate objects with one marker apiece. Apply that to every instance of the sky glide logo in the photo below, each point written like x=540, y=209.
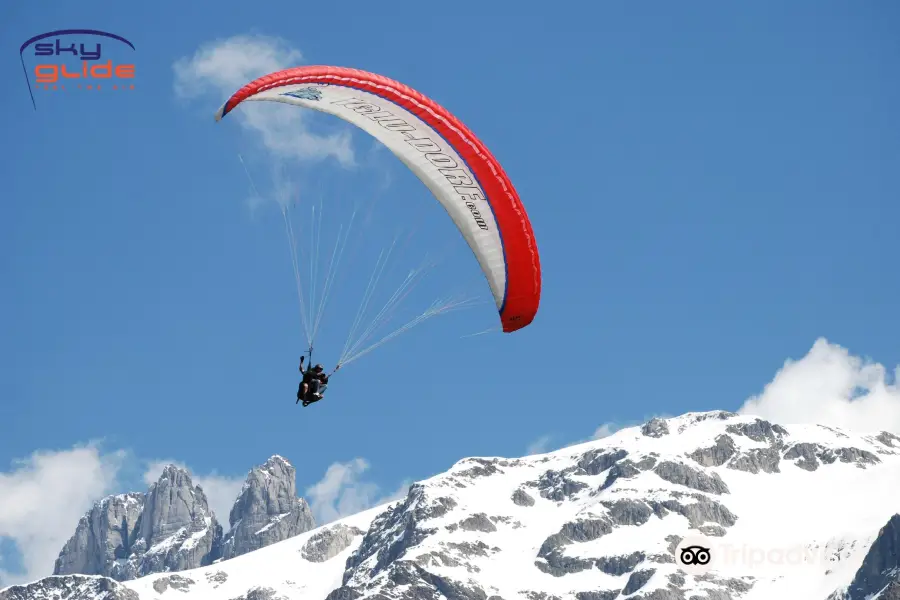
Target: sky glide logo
x=73, y=59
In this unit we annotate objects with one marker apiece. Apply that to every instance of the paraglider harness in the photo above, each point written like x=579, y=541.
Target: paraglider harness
x=308, y=375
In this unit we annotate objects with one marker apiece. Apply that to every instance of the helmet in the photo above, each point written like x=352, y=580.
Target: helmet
x=319, y=368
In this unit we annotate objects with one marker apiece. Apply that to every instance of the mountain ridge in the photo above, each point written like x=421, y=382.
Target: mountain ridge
x=601, y=520
x=171, y=527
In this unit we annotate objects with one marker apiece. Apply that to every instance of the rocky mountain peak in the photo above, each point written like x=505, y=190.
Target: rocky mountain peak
x=174, y=503
x=168, y=528
x=267, y=510
x=103, y=537
x=174, y=474
x=277, y=459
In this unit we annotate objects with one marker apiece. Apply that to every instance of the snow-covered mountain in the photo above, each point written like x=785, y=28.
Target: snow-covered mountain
x=784, y=512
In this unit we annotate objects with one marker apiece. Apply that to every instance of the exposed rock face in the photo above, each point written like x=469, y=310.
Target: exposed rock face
x=637, y=580
x=178, y=531
x=625, y=469
x=554, y=561
x=655, y=428
x=717, y=455
x=261, y=593
x=595, y=462
x=480, y=467
x=170, y=528
x=880, y=570
x=456, y=554
x=103, y=536
x=173, y=582
x=809, y=456
x=267, y=510
x=759, y=431
x=564, y=484
x=558, y=486
x=329, y=542
x=888, y=439
x=757, y=460
x=703, y=510
x=522, y=498
x=681, y=474
x=627, y=511
x=391, y=535
x=402, y=527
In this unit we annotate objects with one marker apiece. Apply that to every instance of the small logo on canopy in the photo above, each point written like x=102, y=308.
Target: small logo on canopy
x=307, y=93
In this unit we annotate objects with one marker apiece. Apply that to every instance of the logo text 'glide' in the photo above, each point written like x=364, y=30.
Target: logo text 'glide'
x=74, y=57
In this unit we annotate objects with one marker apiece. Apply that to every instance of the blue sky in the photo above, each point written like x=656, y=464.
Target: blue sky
x=712, y=190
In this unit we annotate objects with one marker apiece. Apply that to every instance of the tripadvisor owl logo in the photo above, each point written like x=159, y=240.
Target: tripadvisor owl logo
x=695, y=555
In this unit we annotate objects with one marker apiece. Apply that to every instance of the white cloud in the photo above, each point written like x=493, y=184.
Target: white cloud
x=224, y=66
x=539, y=446
x=605, y=430
x=398, y=494
x=44, y=496
x=543, y=444
x=829, y=386
x=340, y=492
x=221, y=491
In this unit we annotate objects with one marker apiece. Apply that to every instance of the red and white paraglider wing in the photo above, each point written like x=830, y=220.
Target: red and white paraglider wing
x=458, y=169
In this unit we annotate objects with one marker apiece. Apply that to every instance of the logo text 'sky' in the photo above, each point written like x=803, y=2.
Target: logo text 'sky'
x=76, y=56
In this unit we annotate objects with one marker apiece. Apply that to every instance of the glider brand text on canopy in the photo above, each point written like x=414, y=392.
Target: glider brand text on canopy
x=459, y=178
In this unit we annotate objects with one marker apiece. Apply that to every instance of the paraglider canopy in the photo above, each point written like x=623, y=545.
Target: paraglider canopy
x=443, y=153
